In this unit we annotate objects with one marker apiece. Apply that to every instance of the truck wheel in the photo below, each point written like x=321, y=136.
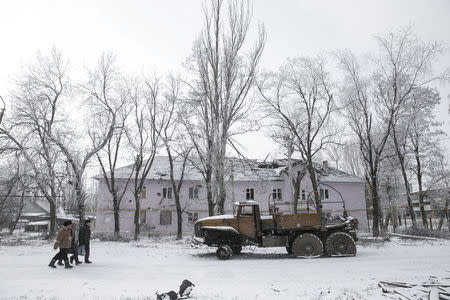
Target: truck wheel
x=236, y=249
x=341, y=244
x=307, y=245
x=224, y=252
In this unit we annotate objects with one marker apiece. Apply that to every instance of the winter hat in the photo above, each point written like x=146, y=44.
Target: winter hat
x=87, y=221
x=68, y=222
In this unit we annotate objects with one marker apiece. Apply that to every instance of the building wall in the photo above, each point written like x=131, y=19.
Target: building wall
x=153, y=203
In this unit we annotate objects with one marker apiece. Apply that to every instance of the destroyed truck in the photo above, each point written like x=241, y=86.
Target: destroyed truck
x=302, y=234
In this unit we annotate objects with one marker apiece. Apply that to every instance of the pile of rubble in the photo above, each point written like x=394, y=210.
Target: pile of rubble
x=433, y=289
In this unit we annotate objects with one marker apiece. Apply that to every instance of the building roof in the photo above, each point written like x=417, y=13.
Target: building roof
x=237, y=170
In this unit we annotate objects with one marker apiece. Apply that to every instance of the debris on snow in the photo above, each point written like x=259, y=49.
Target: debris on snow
x=434, y=289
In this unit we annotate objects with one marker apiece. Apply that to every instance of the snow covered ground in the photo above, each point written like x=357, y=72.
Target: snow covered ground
x=138, y=270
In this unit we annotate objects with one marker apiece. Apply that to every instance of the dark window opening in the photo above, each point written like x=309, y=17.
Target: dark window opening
x=250, y=194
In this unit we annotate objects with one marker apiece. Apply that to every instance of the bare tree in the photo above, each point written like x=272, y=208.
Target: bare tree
x=38, y=92
x=365, y=121
x=173, y=138
x=422, y=136
x=437, y=174
x=223, y=73
x=108, y=158
x=375, y=102
x=300, y=100
x=100, y=93
x=404, y=68
x=143, y=136
x=351, y=159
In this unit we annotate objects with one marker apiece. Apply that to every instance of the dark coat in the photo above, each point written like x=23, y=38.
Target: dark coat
x=85, y=235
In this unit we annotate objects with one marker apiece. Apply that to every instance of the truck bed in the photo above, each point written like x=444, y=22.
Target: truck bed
x=291, y=221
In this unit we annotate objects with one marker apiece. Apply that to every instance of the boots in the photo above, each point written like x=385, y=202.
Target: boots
x=52, y=264
x=87, y=261
x=67, y=265
x=60, y=263
x=75, y=258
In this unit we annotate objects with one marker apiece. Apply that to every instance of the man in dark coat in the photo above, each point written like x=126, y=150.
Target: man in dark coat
x=84, y=238
x=64, y=243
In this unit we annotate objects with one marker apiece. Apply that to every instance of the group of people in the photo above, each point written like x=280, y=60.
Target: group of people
x=67, y=243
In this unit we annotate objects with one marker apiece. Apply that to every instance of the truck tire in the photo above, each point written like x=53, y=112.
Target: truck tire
x=340, y=244
x=224, y=252
x=307, y=245
x=236, y=249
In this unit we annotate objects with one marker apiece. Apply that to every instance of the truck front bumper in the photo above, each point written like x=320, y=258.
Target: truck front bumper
x=197, y=240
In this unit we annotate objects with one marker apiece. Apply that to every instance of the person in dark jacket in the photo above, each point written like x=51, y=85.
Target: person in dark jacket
x=63, y=242
x=84, y=238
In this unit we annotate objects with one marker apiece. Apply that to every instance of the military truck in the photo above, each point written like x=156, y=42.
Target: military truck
x=302, y=234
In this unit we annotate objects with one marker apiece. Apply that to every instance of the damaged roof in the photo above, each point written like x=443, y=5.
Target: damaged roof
x=237, y=169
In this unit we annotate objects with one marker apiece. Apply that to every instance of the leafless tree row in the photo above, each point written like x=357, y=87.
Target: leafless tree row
x=385, y=105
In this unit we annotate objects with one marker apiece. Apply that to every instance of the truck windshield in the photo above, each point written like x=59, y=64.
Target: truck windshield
x=247, y=210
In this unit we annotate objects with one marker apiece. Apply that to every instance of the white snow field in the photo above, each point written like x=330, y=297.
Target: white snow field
x=137, y=270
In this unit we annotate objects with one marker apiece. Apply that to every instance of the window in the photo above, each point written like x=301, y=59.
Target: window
x=165, y=218
x=324, y=194
x=167, y=193
x=144, y=192
x=303, y=195
x=192, y=217
x=246, y=210
x=276, y=194
x=249, y=194
x=193, y=192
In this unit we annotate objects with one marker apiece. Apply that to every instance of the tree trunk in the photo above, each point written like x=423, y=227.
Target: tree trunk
x=419, y=182
x=209, y=194
x=386, y=222
x=52, y=230
x=137, y=227
x=317, y=199
x=296, y=196
x=179, y=216
x=19, y=214
x=80, y=199
x=444, y=214
x=116, y=216
x=376, y=206
x=401, y=159
x=220, y=181
x=296, y=184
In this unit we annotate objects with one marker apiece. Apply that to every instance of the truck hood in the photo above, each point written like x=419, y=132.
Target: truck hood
x=219, y=217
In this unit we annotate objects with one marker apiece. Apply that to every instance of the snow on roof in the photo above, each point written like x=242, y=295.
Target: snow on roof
x=33, y=214
x=39, y=223
x=334, y=175
x=238, y=170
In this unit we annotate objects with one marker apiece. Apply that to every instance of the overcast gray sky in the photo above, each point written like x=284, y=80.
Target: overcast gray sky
x=158, y=35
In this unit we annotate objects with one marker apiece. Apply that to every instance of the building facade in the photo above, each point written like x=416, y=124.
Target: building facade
x=246, y=180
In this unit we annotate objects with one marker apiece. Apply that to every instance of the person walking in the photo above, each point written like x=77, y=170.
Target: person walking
x=84, y=238
x=73, y=250
x=64, y=243
x=74, y=256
